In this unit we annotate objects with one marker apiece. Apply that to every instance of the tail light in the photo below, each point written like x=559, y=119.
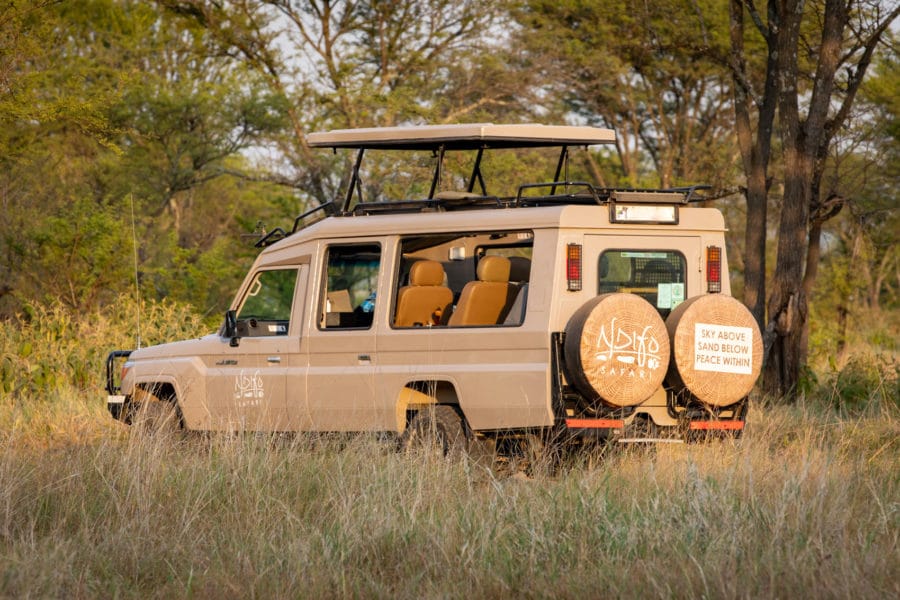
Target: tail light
x=573, y=267
x=713, y=269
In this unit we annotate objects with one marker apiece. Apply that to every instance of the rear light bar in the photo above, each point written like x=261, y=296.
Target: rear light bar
x=573, y=267
x=713, y=269
x=717, y=425
x=595, y=423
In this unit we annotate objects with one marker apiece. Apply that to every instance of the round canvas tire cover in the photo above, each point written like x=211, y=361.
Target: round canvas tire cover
x=617, y=349
x=717, y=349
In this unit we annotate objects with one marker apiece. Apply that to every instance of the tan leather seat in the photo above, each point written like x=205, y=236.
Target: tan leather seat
x=484, y=302
x=425, y=300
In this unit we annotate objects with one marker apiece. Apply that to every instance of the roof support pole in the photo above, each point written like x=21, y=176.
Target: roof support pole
x=476, y=174
x=437, y=172
x=354, y=181
x=563, y=159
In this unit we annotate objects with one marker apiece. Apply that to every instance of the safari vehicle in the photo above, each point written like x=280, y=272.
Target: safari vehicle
x=557, y=307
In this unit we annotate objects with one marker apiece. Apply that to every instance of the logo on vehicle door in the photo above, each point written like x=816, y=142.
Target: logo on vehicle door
x=248, y=387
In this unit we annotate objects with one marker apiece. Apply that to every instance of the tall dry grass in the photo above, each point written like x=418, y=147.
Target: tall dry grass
x=806, y=505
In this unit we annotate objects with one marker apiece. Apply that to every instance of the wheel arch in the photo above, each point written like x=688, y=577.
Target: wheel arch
x=161, y=389
x=417, y=394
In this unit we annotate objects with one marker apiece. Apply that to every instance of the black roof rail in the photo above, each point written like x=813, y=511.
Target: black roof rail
x=278, y=234
x=589, y=197
x=330, y=209
x=587, y=194
x=689, y=191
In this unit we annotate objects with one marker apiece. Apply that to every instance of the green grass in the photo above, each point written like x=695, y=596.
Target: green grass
x=805, y=505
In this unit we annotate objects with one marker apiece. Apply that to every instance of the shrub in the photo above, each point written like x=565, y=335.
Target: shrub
x=50, y=347
x=866, y=382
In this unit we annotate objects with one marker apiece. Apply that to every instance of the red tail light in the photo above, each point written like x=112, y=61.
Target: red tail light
x=713, y=269
x=573, y=267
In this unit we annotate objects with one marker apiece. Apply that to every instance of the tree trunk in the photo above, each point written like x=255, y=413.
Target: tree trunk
x=788, y=303
x=755, y=157
x=755, y=244
x=805, y=145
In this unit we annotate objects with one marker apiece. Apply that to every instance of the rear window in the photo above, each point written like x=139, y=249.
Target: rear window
x=658, y=276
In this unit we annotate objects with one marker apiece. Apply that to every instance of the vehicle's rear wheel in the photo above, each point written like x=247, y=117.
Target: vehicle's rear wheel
x=436, y=430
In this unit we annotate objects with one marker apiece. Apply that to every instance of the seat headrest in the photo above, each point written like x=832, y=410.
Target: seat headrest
x=493, y=268
x=426, y=272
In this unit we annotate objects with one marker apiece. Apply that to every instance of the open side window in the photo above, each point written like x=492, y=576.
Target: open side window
x=266, y=308
x=656, y=275
x=463, y=279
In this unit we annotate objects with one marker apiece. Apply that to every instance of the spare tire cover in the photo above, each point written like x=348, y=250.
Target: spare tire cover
x=617, y=349
x=717, y=349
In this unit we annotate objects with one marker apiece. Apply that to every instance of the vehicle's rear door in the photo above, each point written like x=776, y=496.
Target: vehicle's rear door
x=663, y=269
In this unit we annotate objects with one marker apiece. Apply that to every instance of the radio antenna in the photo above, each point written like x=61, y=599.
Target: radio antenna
x=137, y=287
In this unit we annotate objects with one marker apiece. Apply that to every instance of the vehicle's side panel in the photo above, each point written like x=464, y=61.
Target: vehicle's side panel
x=187, y=375
x=247, y=385
x=500, y=373
x=494, y=390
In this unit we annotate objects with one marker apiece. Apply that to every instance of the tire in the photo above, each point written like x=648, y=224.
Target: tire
x=616, y=350
x=717, y=374
x=436, y=430
x=155, y=416
x=539, y=454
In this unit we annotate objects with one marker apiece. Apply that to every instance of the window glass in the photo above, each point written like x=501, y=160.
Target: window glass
x=351, y=280
x=267, y=307
x=656, y=275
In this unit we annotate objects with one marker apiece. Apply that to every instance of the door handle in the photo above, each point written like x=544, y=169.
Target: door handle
x=273, y=359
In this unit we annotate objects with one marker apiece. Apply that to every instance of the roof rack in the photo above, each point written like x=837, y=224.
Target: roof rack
x=278, y=234
x=587, y=194
x=440, y=139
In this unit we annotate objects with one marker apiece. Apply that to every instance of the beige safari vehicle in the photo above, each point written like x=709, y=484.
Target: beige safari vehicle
x=557, y=309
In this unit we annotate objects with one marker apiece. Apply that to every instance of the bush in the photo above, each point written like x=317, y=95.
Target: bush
x=50, y=347
x=867, y=382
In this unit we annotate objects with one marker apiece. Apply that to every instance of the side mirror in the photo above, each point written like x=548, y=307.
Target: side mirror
x=231, y=327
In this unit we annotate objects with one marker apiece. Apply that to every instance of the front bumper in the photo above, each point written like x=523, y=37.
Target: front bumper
x=115, y=400
x=115, y=404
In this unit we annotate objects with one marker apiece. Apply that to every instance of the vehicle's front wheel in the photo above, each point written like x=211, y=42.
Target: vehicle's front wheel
x=155, y=416
x=436, y=429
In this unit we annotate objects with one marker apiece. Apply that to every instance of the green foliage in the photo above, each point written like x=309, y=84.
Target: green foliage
x=124, y=112
x=82, y=254
x=51, y=347
x=866, y=384
x=648, y=70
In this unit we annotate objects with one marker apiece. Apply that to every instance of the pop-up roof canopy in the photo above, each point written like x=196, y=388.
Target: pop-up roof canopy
x=477, y=137
x=443, y=138
x=470, y=136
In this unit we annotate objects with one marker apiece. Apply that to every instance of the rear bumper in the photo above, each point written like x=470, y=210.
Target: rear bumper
x=617, y=429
